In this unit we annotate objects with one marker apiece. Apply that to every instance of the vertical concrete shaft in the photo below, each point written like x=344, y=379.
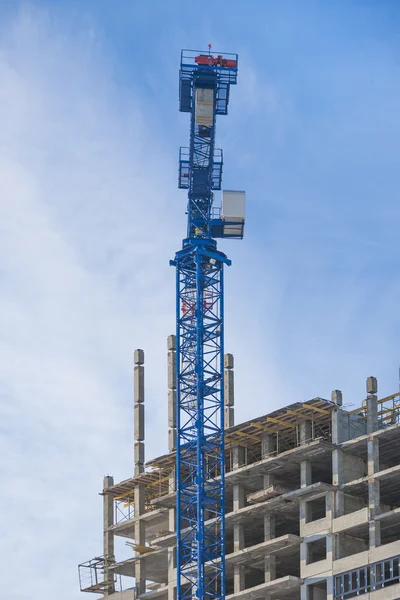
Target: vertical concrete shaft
x=337, y=397
x=138, y=411
x=172, y=408
x=337, y=479
x=140, y=539
x=267, y=449
x=139, y=493
x=269, y=561
x=172, y=415
x=305, y=432
x=338, y=436
x=238, y=460
x=372, y=404
x=338, y=426
x=238, y=457
x=374, y=499
x=172, y=549
x=229, y=391
x=305, y=436
x=374, y=496
x=108, y=536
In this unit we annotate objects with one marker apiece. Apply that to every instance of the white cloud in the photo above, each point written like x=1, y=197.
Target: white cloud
x=84, y=279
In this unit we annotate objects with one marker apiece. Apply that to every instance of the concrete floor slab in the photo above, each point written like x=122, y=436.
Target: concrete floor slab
x=282, y=588
x=351, y=522
x=161, y=594
x=392, y=517
x=156, y=566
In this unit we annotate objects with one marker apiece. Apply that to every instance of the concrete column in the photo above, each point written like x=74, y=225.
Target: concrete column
x=337, y=397
x=238, y=454
x=338, y=425
x=374, y=496
x=139, y=492
x=229, y=391
x=269, y=561
x=172, y=549
x=108, y=536
x=238, y=459
x=373, y=462
x=305, y=473
x=305, y=436
x=172, y=407
x=337, y=479
x=338, y=436
x=305, y=432
x=267, y=444
x=267, y=449
x=238, y=539
x=138, y=411
x=372, y=404
x=139, y=527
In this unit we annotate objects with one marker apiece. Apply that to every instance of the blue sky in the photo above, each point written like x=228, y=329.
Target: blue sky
x=90, y=215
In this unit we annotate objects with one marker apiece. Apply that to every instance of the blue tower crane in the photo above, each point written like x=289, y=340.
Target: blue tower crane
x=205, y=81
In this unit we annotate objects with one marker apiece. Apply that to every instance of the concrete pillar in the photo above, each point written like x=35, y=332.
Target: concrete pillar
x=305, y=436
x=338, y=436
x=374, y=496
x=337, y=397
x=238, y=459
x=239, y=572
x=267, y=449
x=238, y=454
x=139, y=492
x=337, y=479
x=172, y=549
x=338, y=424
x=372, y=404
x=305, y=473
x=108, y=536
x=138, y=411
x=269, y=561
x=238, y=497
x=172, y=406
x=229, y=391
x=267, y=444
x=139, y=527
x=305, y=432
x=373, y=462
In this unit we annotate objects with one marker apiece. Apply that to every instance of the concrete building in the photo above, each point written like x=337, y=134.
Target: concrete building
x=312, y=504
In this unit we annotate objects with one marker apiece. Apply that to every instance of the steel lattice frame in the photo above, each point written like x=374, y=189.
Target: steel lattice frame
x=200, y=320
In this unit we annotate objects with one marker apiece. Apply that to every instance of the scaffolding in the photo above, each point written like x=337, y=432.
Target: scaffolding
x=92, y=576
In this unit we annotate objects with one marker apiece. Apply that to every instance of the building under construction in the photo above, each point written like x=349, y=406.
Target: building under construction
x=312, y=507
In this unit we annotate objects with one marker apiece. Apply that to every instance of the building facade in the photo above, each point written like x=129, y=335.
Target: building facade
x=312, y=504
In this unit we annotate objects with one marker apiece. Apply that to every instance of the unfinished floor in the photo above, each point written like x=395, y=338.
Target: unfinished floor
x=312, y=505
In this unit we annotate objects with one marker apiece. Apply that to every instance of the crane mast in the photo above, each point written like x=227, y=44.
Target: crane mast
x=205, y=82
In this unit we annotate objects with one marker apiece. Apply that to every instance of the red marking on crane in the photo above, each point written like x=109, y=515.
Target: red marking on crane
x=187, y=309
x=208, y=301
x=215, y=61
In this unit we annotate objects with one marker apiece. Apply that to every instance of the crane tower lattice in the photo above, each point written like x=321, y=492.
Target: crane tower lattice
x=205, y=82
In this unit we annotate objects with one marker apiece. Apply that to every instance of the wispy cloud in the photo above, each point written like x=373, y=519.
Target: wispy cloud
x=85, y=219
